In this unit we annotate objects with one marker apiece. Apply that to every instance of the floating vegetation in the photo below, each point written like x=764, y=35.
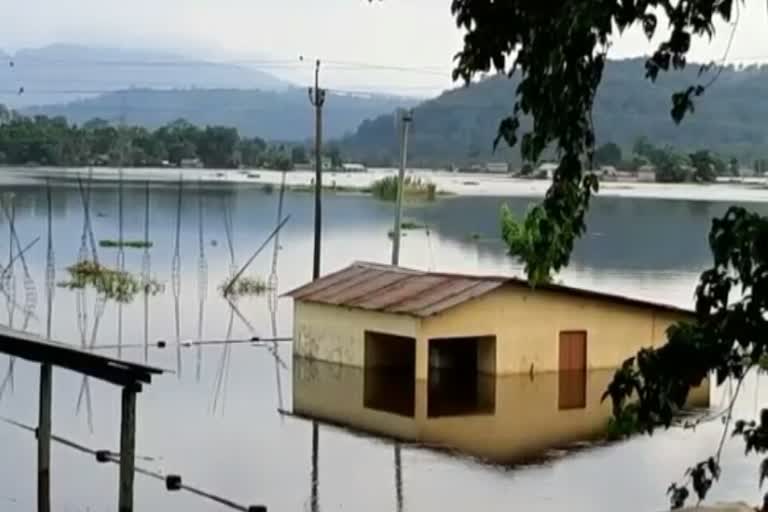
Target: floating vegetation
x=268, y=188
x=113, y=284
x=245, y=286
x=409, y=224
x=133, y=244
x=413, y=188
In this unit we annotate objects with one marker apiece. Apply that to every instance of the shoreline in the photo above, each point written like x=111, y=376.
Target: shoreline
x=448, y=184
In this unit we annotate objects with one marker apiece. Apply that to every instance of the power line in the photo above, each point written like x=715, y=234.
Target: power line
x=250, y=63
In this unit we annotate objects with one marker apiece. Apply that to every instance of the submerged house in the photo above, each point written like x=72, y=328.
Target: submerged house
x=378, y=316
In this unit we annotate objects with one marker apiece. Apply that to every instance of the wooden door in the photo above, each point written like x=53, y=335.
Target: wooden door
x=572, y=377
x=573, y=350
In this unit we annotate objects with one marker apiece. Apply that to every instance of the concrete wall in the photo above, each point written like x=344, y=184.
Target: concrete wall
x=337, y=334
x=527, y=324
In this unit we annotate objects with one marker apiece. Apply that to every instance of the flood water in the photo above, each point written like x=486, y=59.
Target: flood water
x=216, y=420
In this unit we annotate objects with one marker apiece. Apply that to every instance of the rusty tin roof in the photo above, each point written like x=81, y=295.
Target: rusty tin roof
x=391, y=289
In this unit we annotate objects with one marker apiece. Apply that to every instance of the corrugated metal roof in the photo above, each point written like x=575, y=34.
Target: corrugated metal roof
x=390, y=289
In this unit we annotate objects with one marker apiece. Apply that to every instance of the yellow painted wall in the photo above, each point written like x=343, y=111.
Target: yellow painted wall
x=337, y=334
x=527, y=324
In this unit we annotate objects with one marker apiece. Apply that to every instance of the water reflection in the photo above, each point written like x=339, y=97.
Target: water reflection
x=504, y=420
x=246, y=451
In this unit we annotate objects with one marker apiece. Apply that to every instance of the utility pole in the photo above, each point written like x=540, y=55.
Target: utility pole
x=317, y=99
x=405, y=124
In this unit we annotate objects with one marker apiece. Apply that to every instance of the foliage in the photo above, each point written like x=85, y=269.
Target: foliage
x=671, y=167
x=278, y=157
x=53, y=141
x=115, y=285
x=608, y=154
x=299, y=155
x=334, y=153
x=761, y=166
x=410, y=224
x=458, y=127
x=413, y=188
x=706, y=166
x=244, y=286
x=560, y=53
x=133, y=244
x=557, y=89
x=727, y=339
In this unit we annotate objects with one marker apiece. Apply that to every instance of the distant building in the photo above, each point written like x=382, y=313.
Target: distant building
x=497, y=167
x=326, y=163
x=352, y=167
x=610, y=173
x=546, y=170
x=747, y=172
x=193, y=163
x=646, y=173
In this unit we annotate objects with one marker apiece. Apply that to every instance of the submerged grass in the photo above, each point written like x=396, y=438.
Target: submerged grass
x=245, y=286
x=413, y=188
x=133, y=244
x=116, y=285
x=410, y=224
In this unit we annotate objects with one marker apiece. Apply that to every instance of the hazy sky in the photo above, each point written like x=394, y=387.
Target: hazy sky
x=411, y=33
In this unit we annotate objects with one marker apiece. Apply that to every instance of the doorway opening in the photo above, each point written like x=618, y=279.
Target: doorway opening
x=461, y=376
x=389, y=378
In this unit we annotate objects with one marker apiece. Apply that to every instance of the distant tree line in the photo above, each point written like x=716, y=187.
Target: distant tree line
x=670, y=164
x=52, y=141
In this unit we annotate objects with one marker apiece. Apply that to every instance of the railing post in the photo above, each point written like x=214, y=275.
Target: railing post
x=127, y=448
x=44, y=439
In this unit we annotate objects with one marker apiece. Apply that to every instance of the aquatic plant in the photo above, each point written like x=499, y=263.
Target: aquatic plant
x=245, y=286
x=133, y=244
x=115, y=285
x=413, y=188
x=409, y=224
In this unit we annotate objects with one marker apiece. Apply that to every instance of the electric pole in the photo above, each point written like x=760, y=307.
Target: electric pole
x=317, y=99
x=405, y=124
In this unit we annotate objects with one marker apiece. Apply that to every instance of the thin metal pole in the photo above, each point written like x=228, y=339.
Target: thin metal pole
x=274, y=233
x=317, y=99
x=315, y=498
x=127, y=449
x=44, y=440
x=406, y=121
x=398, y=478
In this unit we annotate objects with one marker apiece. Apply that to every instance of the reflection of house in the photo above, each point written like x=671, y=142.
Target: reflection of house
x=505, y=419
x=373, y=316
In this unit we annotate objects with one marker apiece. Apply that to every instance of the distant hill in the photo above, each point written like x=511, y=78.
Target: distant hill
x=460, y=125
x=63, y=73
x=284, y=115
